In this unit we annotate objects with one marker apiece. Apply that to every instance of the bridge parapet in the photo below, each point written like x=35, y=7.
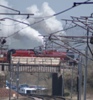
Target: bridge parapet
x=36, y=60
x=34, y=64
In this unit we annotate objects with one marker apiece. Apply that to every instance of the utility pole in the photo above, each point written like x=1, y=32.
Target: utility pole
x=72, y=80
x=63, y=86
x=17, y=79
x=85, y=74
x=10, y=69
x=79, y=78
x=10, y=52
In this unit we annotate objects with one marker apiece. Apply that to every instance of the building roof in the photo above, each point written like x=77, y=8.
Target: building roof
x=5, y=93
x=2, y=73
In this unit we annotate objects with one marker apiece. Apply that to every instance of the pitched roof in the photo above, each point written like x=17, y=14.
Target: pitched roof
x=5, y=92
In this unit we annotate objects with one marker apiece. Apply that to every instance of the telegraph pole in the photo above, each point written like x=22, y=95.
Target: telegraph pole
x=17, y=79
x=10, y=52
x=85, y=74
x=10, y=69
x=79, y=78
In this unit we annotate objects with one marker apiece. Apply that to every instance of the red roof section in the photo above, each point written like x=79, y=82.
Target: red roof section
x=5, y=92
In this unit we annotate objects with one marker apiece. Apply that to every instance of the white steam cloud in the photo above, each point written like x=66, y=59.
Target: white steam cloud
x=29, y=36
x=47, y=26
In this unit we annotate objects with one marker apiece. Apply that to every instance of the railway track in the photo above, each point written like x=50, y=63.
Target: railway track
x=45, y=97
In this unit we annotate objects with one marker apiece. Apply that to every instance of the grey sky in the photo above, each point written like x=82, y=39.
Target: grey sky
x=56, y=5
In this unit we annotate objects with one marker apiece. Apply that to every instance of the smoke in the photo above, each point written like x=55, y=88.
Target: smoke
x=29, y=36
x=47, y=26
x=4, y=25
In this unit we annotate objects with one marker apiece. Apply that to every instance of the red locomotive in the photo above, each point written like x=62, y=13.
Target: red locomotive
x=4, y=56
x=44, y=53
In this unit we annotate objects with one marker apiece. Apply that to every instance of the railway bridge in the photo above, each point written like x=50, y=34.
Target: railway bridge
x=33, y=64
x=37, y=64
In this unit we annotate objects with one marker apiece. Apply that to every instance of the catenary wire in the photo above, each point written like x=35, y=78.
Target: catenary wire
x=50, y=34
x=52, y=15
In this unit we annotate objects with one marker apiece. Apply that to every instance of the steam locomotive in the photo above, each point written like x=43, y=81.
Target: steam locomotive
x=5, y=55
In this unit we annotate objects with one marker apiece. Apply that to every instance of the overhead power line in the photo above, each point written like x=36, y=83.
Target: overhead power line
x=49, y=34
x=10, y=8
x=47, y=17
x=44, y=18
x=79, y=3
x=70, y=47
x=74, y=5
x=15, y=20
x=19, y=13
x=16, y=14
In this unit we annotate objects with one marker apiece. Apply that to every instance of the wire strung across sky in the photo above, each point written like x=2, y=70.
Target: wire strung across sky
x=48, y=35
x=38, y=22
x=19, y=13
x=68, y=47
x=44, y=18
x=86, y=27
x=10, y=8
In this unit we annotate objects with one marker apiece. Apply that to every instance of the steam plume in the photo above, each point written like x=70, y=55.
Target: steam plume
x=29, y=36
